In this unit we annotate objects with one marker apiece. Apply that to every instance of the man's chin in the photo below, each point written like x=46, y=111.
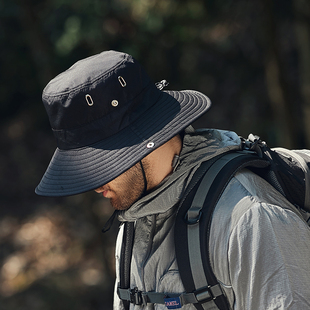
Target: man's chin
x=117, y=205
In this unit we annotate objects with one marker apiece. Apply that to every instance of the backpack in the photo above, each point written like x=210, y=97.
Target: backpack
x=287, y=171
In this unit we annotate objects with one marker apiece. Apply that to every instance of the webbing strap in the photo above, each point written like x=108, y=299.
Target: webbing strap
x=305, y=169
x=146, y=297
x=194, y=212
x=138, y=297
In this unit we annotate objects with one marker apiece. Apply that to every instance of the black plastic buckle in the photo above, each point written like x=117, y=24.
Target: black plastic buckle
x=200, y=295
x=136, y=296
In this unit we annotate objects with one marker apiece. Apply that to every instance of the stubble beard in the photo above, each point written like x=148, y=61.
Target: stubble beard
x=129, y=189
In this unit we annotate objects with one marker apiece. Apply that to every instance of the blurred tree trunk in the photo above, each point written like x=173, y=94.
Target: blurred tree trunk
x=39, y=46
x=278, y=87
x=302, y=28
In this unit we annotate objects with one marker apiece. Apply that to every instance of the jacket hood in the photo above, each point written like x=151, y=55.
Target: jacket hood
x=198, y=146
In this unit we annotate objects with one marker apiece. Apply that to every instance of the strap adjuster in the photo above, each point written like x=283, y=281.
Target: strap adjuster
x=135, y=296
x=195, y=220
x=204, y=294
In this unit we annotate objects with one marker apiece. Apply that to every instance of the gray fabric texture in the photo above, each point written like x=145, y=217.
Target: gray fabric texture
x=259, y=243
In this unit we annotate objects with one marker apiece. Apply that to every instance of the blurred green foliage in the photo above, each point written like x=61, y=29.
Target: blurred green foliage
x=252, y=58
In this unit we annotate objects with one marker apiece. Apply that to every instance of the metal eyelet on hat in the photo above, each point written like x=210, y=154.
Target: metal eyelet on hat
x=114, y=103
x=122, y=81
x=89, y=99
x=150, y=145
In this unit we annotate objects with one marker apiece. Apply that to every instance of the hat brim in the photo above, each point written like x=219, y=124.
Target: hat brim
x=83, y=169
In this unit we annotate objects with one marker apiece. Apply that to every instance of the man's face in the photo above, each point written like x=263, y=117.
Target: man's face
x=124, y=190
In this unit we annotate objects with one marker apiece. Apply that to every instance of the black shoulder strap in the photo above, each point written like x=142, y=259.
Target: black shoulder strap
x=192, y=229
x=126, y=253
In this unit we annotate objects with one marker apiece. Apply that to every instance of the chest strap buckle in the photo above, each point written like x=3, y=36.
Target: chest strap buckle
x=136, y=296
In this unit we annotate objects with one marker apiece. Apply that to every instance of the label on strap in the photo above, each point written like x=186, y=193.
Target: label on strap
x=173, y=303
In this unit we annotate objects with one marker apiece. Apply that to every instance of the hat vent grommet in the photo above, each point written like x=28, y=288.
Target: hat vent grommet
x=89, y=100
x=114, y=103
x=122, y=81
x=150, y=145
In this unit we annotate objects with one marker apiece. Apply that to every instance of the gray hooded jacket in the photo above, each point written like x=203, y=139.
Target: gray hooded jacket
x=258, y=250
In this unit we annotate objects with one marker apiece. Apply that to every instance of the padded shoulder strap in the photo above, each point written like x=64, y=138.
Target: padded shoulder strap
x=126, y=253
x=193, y=223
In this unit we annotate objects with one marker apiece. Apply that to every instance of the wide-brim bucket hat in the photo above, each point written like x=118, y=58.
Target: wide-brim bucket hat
x=106, y=115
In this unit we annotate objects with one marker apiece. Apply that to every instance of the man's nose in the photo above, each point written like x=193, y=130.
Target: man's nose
x=99, y=190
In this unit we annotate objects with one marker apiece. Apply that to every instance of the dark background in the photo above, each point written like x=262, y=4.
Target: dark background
x=251, y=57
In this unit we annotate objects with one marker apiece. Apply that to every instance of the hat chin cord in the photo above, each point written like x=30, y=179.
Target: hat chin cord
x=110, y=221
x=144, y=179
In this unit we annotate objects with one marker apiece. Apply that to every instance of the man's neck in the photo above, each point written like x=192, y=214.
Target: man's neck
x=160, y=161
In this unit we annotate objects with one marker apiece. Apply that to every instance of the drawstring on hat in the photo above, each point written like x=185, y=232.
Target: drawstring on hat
x=107, y=226
x=144, y=178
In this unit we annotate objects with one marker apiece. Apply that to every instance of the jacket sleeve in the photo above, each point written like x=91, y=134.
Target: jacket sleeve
x=268, y=259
